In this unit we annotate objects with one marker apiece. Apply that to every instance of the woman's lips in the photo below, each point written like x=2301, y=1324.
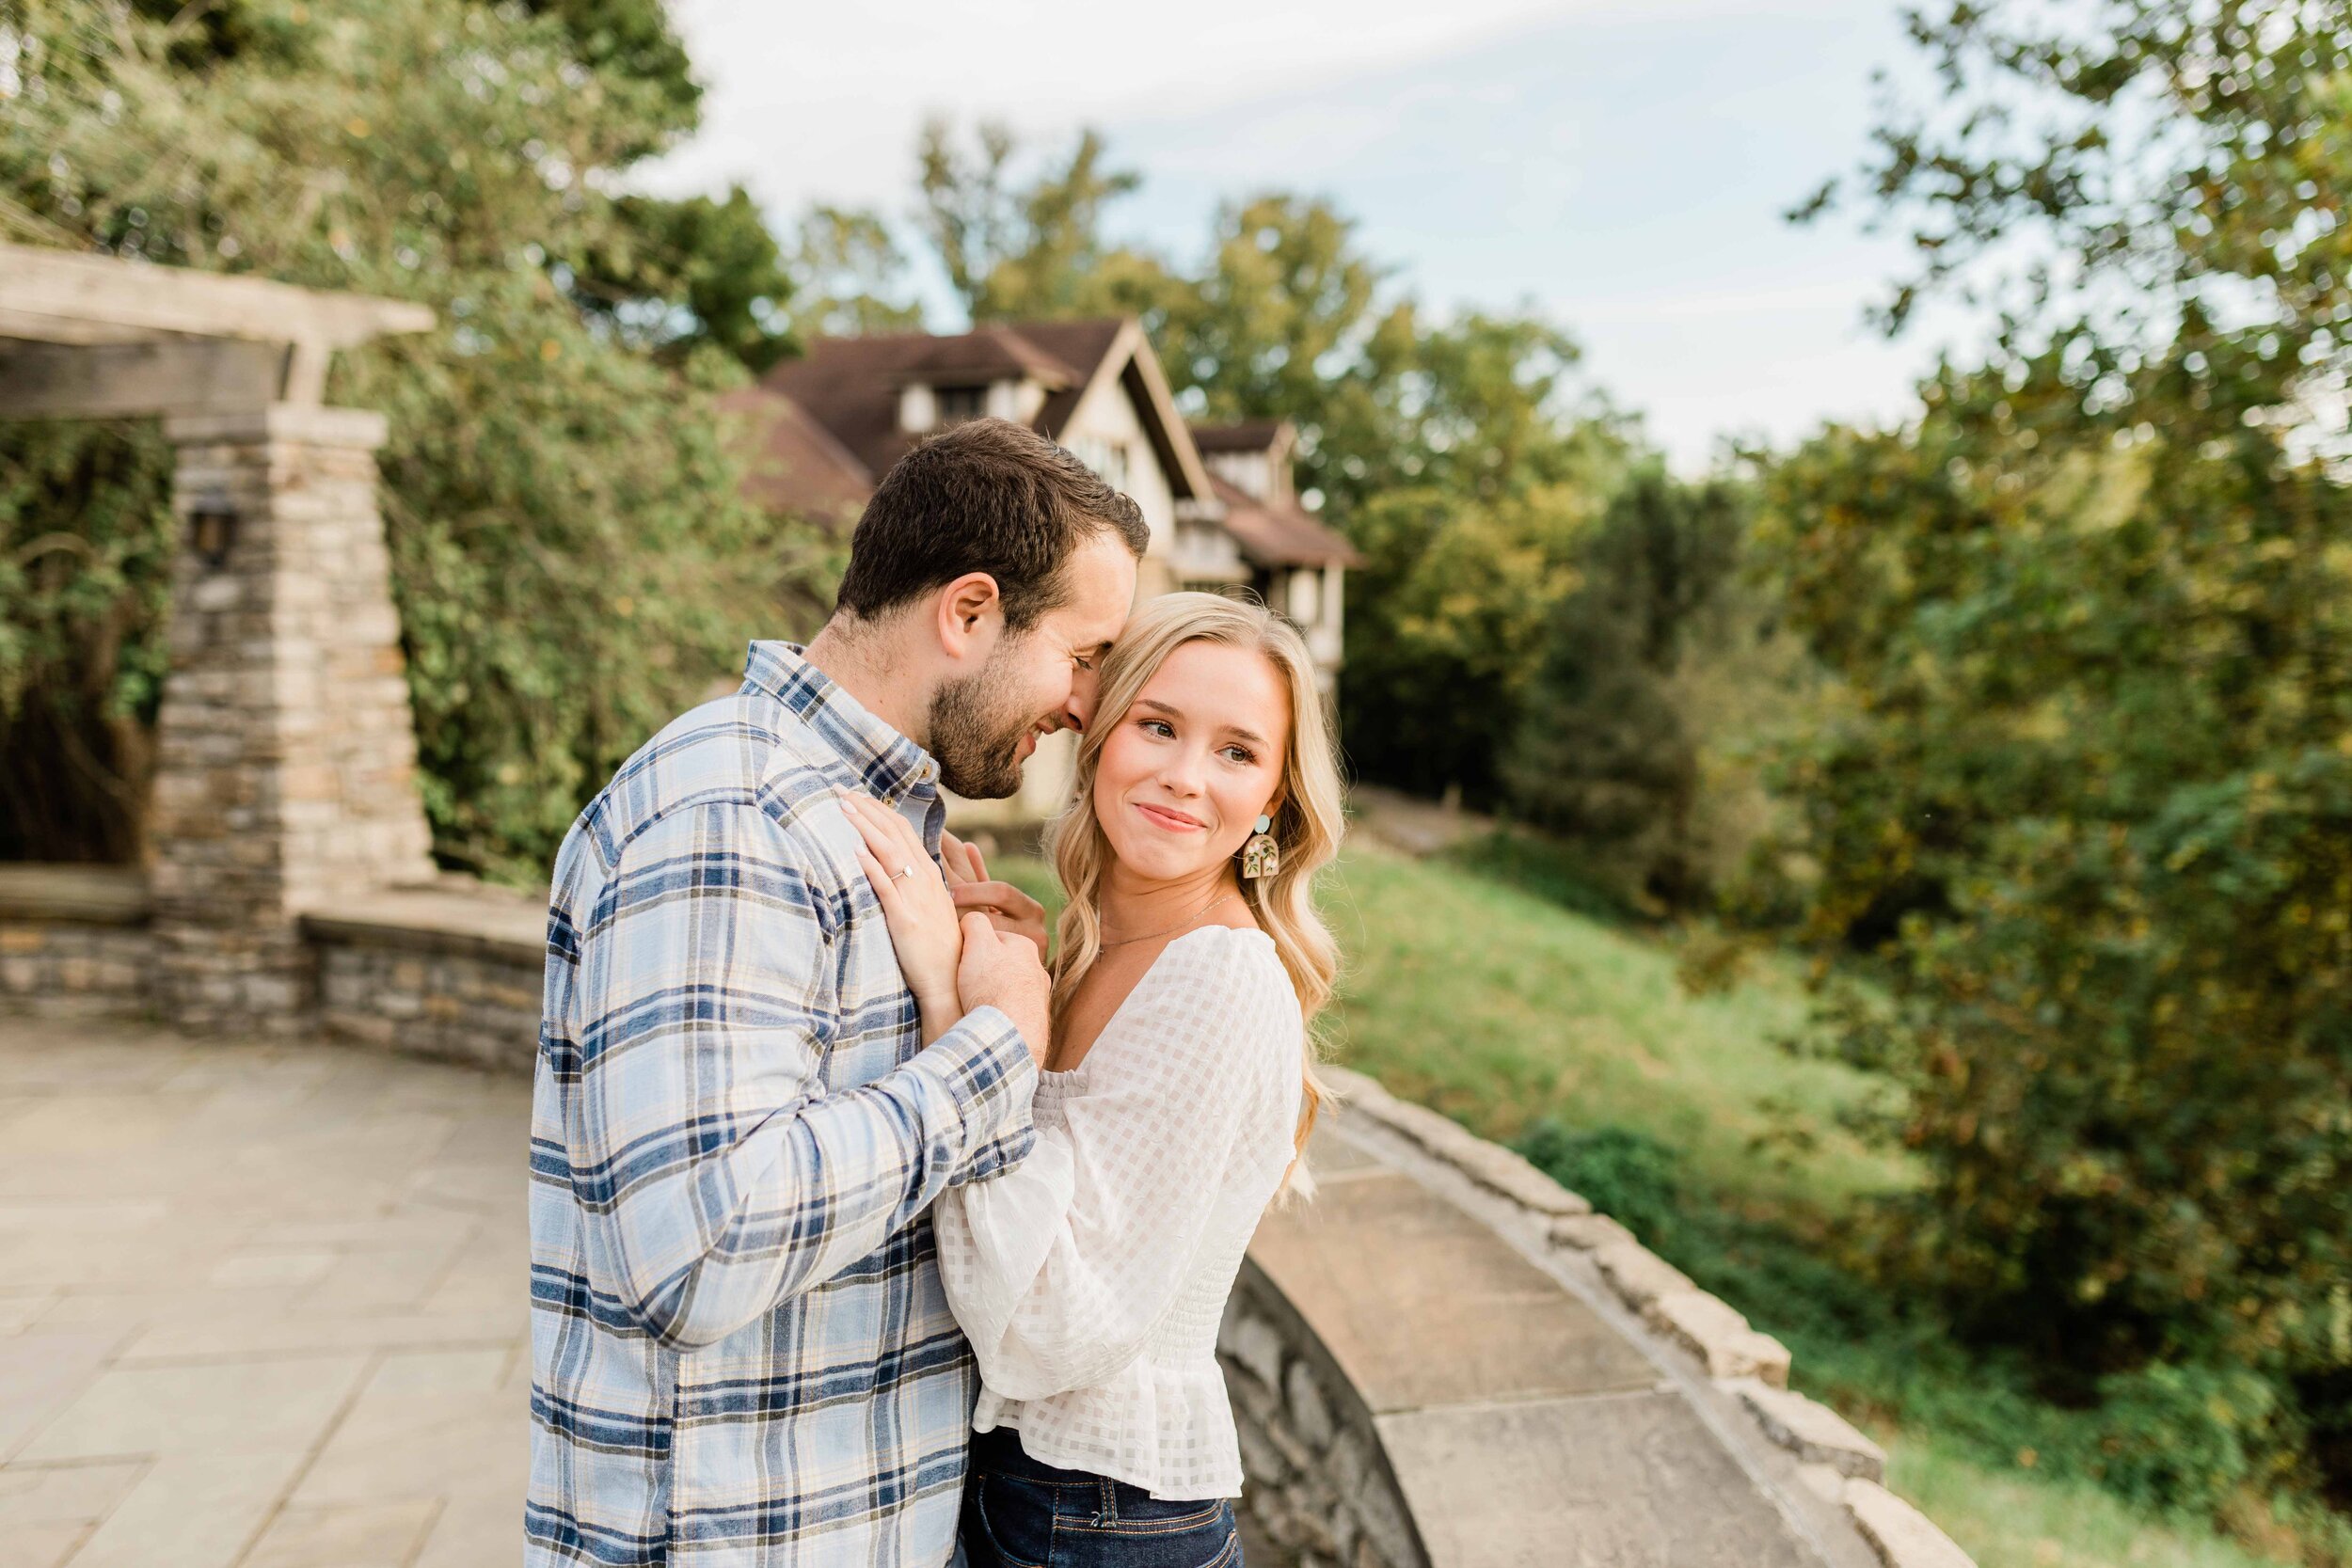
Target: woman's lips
x=1175, y=821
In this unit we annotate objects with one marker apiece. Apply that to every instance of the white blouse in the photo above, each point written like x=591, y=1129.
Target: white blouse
x=1091, y=1277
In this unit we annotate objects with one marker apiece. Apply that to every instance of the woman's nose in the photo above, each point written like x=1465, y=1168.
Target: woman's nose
x=1183, y=773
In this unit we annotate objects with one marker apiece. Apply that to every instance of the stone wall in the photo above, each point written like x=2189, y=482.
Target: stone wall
x=69, y=968
x=451, y=972
x=1317, y=1481
x=450, y=969
x=1733, y=1374
x=450, y=1006
x=75, y=941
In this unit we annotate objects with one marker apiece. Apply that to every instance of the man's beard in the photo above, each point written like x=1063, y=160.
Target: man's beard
x=976, y=728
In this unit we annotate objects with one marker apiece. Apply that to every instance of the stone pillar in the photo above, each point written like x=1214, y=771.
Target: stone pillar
x=286, y=750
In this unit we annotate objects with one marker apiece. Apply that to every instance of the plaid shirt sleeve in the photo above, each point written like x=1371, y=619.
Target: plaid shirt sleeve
x=702, y=1139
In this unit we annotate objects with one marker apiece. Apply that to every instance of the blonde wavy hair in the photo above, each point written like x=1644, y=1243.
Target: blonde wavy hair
x=1307, y=823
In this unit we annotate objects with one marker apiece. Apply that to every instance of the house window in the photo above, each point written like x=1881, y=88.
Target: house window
x=959, y=403
x=1109, y=459
x=1306, y=597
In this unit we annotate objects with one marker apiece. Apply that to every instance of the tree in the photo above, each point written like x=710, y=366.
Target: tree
x=1611, y=750
x=849, y=275
x=2085, y=785
x=1454, y=467
x=673, y=275
x=559, y=499
x=1031, y=251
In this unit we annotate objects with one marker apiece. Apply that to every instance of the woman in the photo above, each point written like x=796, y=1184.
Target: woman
x=1177, y=1095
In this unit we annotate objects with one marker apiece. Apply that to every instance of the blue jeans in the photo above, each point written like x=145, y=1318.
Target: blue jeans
x=1021, y=1513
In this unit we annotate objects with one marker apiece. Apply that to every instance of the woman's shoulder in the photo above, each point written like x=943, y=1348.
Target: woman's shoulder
x=1227, y=947
x=1236, y=973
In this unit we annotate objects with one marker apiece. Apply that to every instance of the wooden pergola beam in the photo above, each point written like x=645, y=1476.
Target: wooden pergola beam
x=62, y=297
x=176, y=375
x=86, y=336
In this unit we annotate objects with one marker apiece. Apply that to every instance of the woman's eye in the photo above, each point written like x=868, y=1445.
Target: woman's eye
x=1241, y=754
x=1159, y=726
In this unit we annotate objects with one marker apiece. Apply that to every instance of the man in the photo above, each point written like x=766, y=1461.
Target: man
x=741, y=1351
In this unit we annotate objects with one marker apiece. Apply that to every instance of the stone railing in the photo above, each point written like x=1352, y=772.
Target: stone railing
x=1443, y=1360
x=1447, y=1358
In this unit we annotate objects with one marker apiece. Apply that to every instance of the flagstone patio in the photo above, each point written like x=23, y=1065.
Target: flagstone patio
x=260, y=1305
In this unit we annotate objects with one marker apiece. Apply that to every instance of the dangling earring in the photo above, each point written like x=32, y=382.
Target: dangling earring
x=1261, y=857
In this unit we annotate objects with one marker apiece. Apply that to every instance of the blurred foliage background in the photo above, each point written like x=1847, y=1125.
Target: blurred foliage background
x=2027, y=722
x=573, y=560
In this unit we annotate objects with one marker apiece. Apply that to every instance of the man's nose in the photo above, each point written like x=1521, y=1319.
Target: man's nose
x=1080, y=712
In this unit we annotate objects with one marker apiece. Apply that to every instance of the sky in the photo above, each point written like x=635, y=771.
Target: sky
x=1620, y=166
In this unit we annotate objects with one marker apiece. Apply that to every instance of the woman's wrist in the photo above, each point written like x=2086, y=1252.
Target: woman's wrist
x=939, y=1011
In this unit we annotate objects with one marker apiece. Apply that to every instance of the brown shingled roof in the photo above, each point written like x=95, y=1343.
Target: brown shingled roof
x=849, y=388
x=989, y=353
x=1281, y=534
x=793, y=463
x=1248, y=435
x=852, y=384
x=1082, y=343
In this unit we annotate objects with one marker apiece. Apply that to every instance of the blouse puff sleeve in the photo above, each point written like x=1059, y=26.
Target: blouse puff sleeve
x=1059, y=1268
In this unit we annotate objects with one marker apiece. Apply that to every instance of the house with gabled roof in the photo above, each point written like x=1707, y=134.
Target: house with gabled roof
x=1220, y=500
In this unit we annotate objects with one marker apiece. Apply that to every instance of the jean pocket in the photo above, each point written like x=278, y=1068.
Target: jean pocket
x=1167, y=1535
x=1012, y=1519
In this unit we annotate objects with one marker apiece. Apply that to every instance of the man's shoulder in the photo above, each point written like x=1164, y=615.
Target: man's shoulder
x=736, y=752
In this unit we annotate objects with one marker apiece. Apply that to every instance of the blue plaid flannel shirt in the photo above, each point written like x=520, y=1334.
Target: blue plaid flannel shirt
x=741, y=1351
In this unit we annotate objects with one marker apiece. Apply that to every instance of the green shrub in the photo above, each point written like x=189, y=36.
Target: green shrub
x=2193, y=1436
x=1629, y=1176
x=2088, y=798
x=2084, y=794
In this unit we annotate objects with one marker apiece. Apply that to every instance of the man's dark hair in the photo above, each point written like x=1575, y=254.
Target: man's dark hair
x=985, y=496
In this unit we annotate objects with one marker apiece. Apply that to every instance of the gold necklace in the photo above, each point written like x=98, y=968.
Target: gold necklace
x=1125, y=942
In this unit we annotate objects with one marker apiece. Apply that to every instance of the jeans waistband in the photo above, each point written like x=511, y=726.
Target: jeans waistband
x=998, y=1450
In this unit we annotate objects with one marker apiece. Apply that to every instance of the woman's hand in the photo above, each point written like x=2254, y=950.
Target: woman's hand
x=914, y=900
x=1009, y=910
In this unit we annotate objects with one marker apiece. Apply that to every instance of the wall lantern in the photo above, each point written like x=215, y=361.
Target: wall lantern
x=211, y=533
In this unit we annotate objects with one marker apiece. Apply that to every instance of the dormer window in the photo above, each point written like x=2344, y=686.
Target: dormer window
x=959, y=403
x=1109, y=459
x=1250, y=472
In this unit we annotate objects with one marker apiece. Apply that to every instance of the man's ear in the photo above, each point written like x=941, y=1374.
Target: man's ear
x=970, y=614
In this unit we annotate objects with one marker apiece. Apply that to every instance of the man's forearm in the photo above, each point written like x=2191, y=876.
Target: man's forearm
x=810, y=1192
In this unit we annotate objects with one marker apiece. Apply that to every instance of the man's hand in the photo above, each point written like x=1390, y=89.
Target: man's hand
x=1009, y=910
x=1004, y=973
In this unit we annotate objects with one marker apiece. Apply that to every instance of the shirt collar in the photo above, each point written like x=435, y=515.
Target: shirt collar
x=887, y=763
